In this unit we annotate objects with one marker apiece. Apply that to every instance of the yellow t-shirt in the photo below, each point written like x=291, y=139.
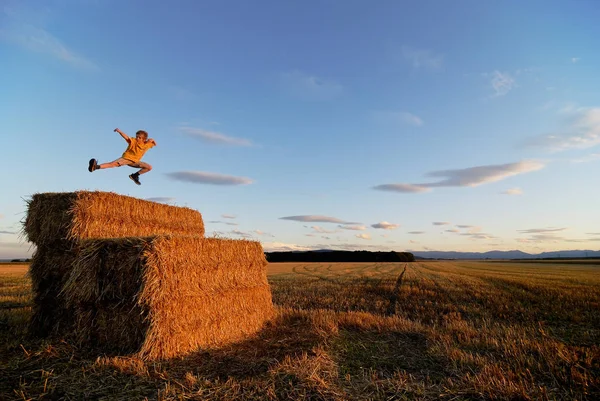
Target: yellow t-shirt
x=136, y=149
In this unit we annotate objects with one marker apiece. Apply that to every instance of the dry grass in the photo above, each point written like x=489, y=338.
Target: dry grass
x=455, y=330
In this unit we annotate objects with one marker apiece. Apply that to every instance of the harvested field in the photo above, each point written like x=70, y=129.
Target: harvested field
x=457, y=331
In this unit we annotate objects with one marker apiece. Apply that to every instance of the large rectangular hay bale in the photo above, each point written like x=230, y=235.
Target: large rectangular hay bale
x=73, y=216
x=164, y=296
x=48, y=271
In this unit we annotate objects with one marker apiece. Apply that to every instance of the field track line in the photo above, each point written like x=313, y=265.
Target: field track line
x=396, y=292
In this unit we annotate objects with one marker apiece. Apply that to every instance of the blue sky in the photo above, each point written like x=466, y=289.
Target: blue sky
x=414, y=125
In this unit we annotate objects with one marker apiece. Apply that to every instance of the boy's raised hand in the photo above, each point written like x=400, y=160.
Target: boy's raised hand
x=122, y=134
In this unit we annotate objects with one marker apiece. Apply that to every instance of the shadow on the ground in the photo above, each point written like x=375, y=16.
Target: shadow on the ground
x=288, y=335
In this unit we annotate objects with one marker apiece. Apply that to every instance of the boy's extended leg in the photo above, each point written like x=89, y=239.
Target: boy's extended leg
x=93, y=165
x=116, y=163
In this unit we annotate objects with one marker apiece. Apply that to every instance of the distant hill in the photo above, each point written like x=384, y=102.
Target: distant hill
x=515, y=254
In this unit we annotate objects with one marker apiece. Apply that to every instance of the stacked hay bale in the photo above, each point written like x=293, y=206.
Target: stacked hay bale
x=128, y=275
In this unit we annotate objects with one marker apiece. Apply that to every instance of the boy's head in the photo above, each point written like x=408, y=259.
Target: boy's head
x=141, y=135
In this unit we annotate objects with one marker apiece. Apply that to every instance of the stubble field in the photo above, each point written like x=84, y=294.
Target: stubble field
x=352, y=331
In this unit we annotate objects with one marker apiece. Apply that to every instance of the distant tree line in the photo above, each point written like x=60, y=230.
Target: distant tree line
x=340, y=256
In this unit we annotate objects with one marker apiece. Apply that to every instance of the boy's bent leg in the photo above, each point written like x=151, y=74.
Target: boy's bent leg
x=135, y=177
x=144, y=167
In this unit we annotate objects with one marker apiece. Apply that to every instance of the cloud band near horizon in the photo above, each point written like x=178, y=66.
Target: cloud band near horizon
x=317, y=219
x=467, y=177
x=201, y=177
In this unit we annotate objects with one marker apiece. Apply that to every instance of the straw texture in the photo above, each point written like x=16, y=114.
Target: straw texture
x=48, y=271
x=81, y=215
x=121, y=274
x=163, y=296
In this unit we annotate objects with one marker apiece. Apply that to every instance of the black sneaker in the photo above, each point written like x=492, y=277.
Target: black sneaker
x=135, y=178
x=93, y=165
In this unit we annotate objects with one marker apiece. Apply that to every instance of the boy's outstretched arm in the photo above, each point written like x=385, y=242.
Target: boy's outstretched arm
x=124, y=135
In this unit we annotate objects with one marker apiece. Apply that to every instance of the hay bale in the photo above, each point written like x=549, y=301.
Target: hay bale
x=74, y=216
x=48, y=272
x=164, y=296
x=56, y=222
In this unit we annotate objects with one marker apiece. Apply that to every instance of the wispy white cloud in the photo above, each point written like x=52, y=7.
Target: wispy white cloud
x=321, y=230
x=310, y=87
x=241, y=233
x=353, y=227
x=474, y=176
x=397, y=118
x=403, y=188
x=286, y=247
x=201, y=177
x=363, y=236
x=479, y=236
x=16, y=29
x=161, y=199
x=352, y=246
x=541, y=230
x=502, y=83
x=316, y=219
x=283, y=247
x=229, y=223
x=452, y=230
x=214, y=137
x=384, y=225
x=263, y=234
x=536, y=238
x=413, y=242
x=416, y=232
x=8, y=232
x=467, y=177
x=575, y=59
x=228, y=216
x=422, y=58
x=440, y=223
x=553, y=238
x=512, y=191
x=582, y=131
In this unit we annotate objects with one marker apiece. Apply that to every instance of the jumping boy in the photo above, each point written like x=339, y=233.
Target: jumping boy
x=131, y=157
